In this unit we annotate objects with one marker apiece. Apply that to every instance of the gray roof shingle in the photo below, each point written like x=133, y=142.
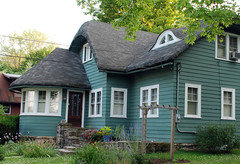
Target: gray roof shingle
x=60, y=68
x=110, y=49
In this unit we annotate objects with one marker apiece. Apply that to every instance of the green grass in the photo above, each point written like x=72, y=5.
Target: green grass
x=66, y=159
x=201, y=158
x=193, y=156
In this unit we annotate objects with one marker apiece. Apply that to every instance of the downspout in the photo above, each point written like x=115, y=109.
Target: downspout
x=178, y=69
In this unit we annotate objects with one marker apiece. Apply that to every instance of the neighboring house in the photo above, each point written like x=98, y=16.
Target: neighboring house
x=102, y=78
x=10, y=101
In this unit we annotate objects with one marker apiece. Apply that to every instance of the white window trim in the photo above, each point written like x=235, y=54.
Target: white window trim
x=227, y=47
x=233, y=103
x=124, y=103
x=186, y=101
x=95, y=104
x=165, y=33
x=47, y=105
x=149, y=99
x=87, y=55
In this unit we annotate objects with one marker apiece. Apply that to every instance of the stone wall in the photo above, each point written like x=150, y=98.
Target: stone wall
x=68, y=135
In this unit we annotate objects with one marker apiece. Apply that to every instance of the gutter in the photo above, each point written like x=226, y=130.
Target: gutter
x=178, y=69
x=13, y=89
x=140, y=70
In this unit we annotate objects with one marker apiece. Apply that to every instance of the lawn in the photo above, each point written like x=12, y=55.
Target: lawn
x=202, y=158
x=66, y=159
x=193, y=156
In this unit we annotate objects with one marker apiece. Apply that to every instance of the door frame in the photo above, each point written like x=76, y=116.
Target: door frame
x=83, y=105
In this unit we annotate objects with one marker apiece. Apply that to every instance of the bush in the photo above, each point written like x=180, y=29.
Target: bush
x=214, y=138
x=9, y=125
x=36, y=149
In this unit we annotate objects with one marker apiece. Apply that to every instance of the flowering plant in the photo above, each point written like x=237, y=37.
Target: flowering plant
x=92, y=135
x=9, y=137
x=106, y=131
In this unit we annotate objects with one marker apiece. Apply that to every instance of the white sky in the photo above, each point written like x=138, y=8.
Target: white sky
x=58, y=19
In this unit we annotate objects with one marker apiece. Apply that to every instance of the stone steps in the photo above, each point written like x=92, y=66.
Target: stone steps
x=66, y=151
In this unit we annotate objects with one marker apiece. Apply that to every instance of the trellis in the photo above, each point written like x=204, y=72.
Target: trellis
x=145, y=110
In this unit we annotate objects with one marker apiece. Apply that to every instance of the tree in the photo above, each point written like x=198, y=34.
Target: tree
x=158, y=15
x=19, y=50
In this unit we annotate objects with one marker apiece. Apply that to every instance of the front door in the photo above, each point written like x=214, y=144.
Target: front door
x=75, y=108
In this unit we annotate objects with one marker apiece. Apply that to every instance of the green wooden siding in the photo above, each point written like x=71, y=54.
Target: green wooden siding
x=199, y=66
x=39, y=125
x=97, y=80
x=117, y=81
x=158, y=129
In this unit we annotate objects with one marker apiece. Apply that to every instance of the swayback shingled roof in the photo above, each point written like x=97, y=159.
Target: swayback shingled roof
x=113, y=53
x=110, y=49
x=60, y=68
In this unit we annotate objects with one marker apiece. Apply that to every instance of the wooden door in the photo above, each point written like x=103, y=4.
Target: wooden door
x=75, y=108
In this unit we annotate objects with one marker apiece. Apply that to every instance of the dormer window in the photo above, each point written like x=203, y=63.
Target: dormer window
x=166, y=38
x=87, y=53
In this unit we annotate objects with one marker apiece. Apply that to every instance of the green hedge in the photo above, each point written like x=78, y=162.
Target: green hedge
x=8, y=124
x=214, y=138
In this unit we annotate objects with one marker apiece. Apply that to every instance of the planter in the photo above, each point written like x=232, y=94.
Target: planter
x=106, y=138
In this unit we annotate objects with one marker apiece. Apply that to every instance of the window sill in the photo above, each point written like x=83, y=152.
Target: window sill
x=228, y=118
x=150, y=117
x=114, y=116
x=37, y=114
x=192, y=116
x=94, y=116
x=227, y=60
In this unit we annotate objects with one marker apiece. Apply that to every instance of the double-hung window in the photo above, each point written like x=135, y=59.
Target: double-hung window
x=226, y=45
x=118, y=102
x=192, y=101
x=87, y=53
x=228, y=103
x=41, y=102
x=149, y=95
x=95, y=103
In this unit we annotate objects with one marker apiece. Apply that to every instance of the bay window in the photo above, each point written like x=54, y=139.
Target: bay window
x=41, y=102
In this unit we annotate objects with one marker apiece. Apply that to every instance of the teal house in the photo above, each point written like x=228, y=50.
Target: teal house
x=102, y=78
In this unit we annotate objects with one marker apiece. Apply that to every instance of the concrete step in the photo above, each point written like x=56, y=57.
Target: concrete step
x=66, y=152
x=69, y=148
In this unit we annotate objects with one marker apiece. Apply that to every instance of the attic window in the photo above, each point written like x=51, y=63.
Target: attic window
x=166, y=38
x=87, y=53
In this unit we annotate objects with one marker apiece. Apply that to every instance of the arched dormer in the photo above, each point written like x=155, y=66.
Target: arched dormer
x=166, y=38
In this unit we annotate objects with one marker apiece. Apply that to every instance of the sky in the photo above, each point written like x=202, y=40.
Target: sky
x=58, y=19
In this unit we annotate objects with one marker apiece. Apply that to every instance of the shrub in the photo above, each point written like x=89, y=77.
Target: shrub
x=214, y=138
x=8, y=125
x=35, y=149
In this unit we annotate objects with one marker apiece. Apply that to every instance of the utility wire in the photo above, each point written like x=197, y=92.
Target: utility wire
x=20, y=38
x=19, y=57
